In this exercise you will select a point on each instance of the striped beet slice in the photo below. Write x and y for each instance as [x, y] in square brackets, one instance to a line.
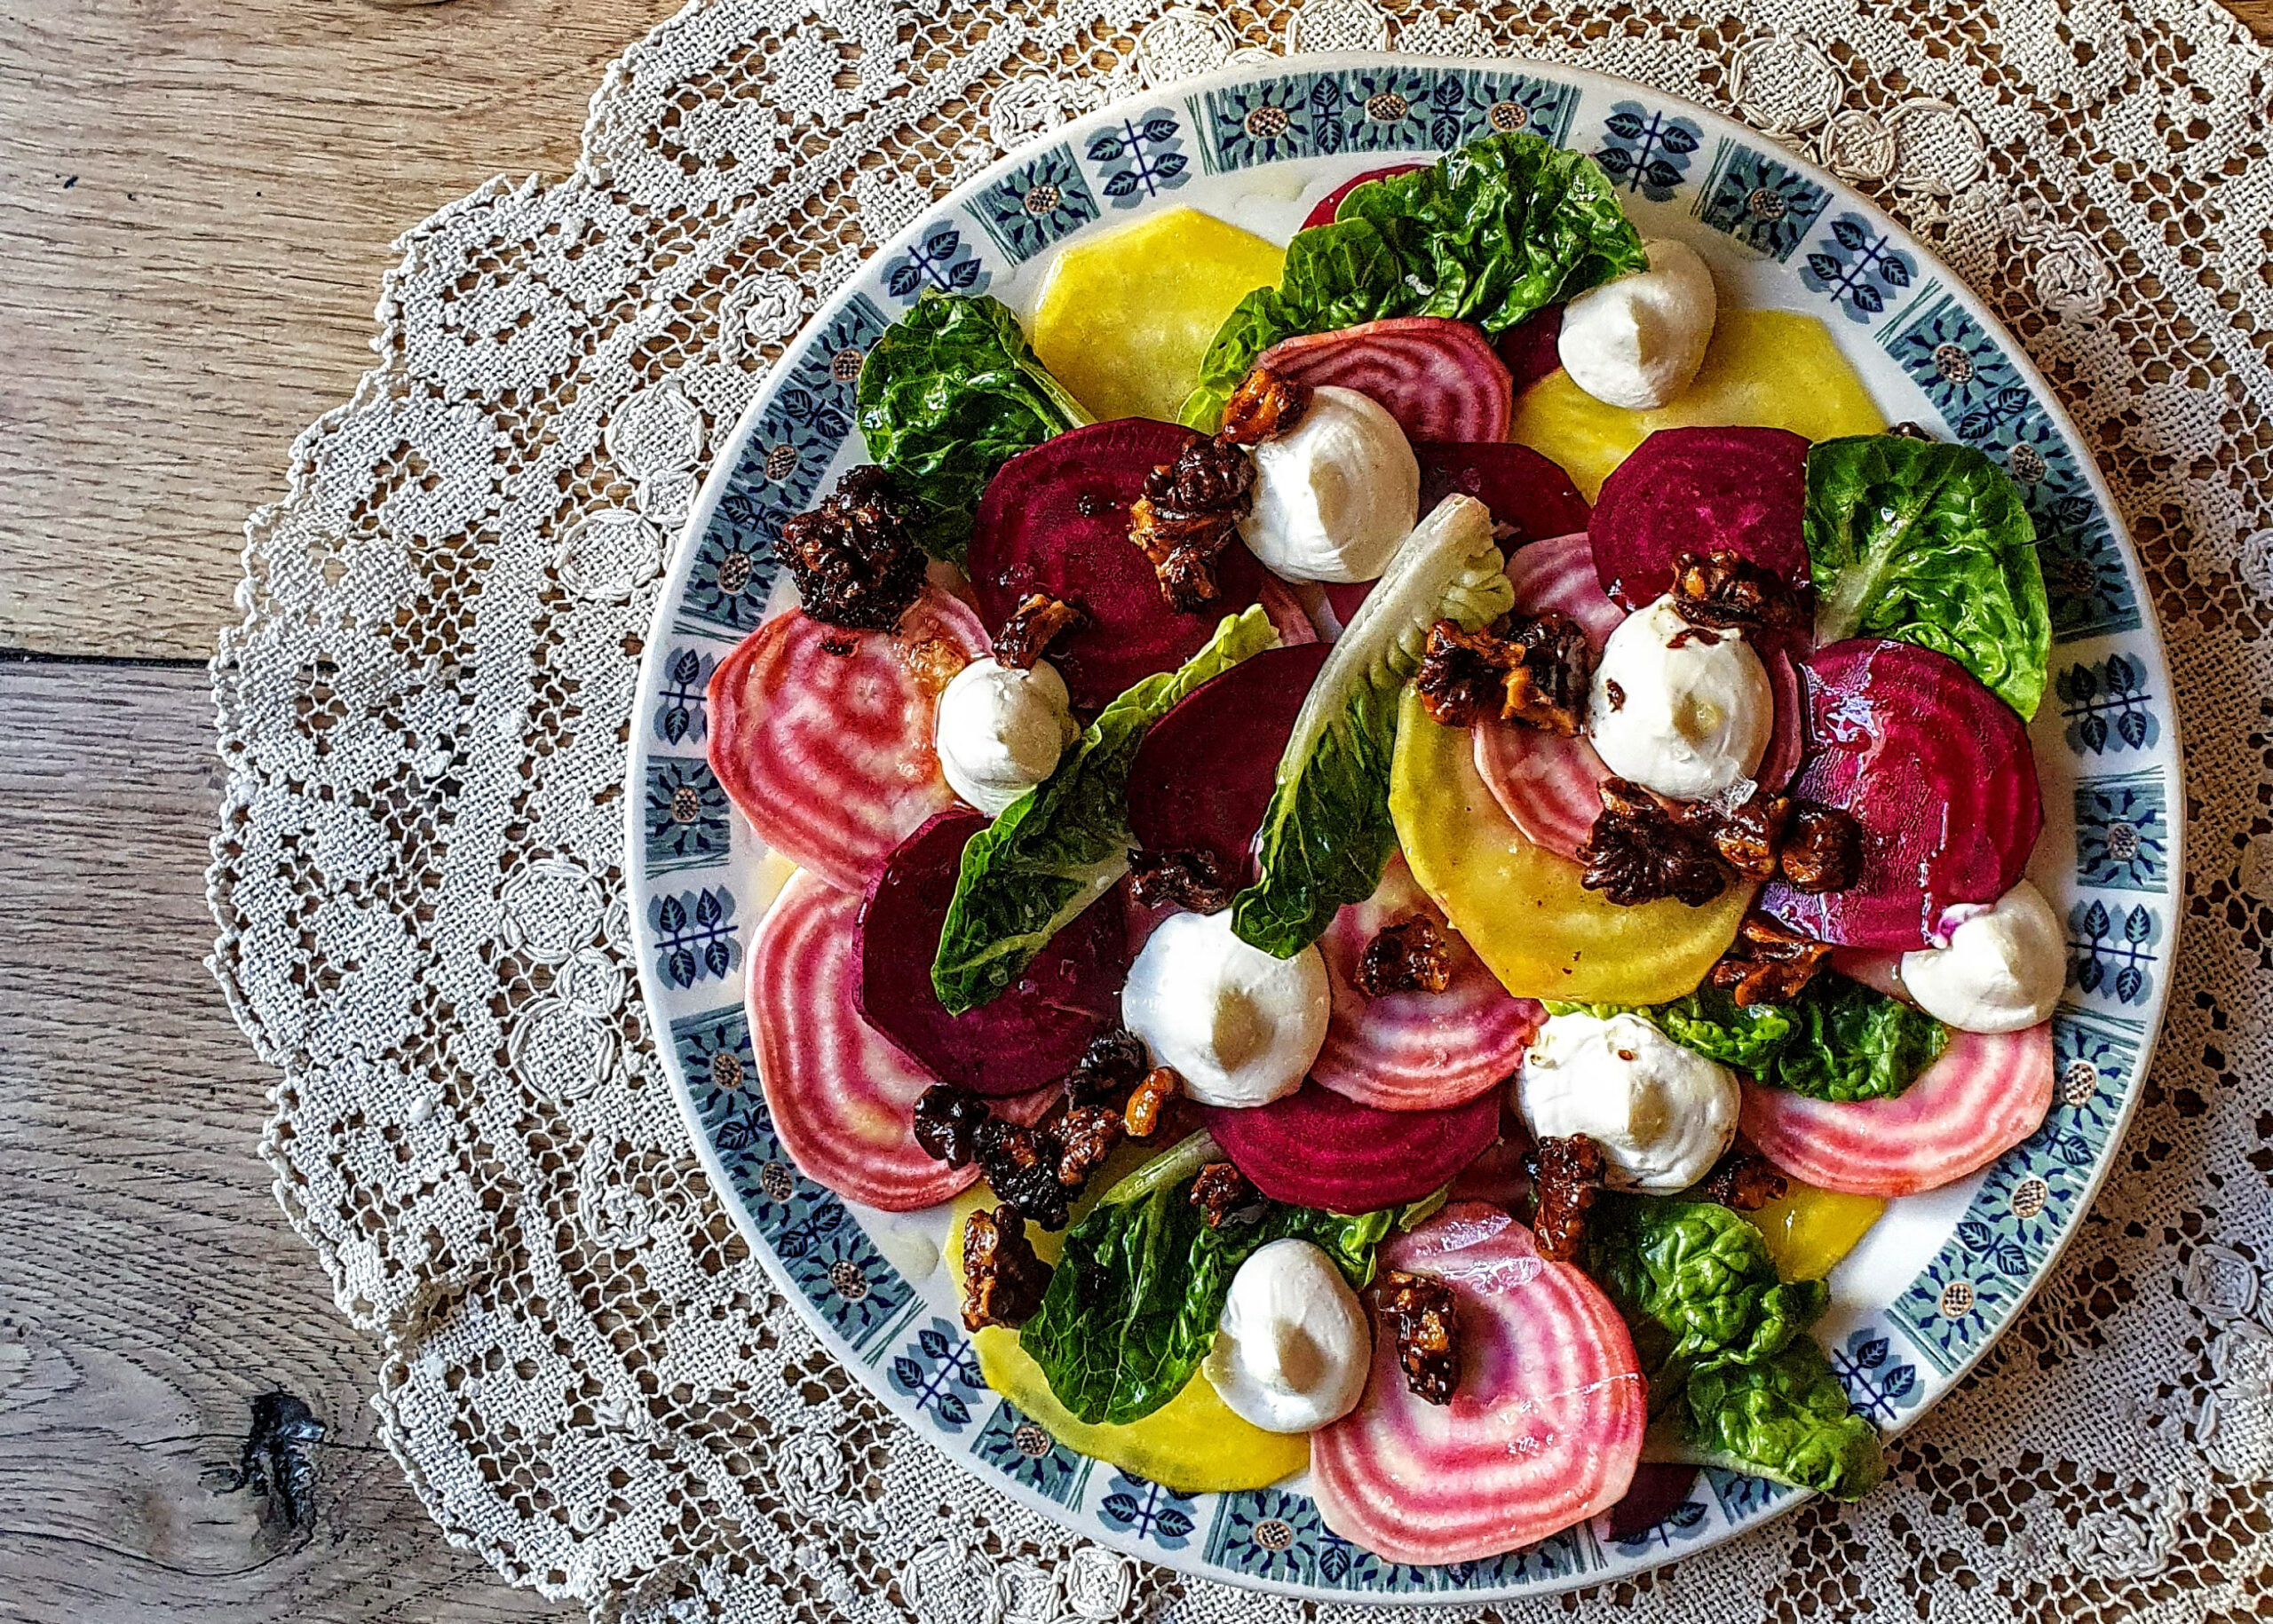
[828, 755]
[1440, 379]
[1415, 1051]
[1986, 1094]
[1316, 1148]
[1543, 1431]
[841, 1098]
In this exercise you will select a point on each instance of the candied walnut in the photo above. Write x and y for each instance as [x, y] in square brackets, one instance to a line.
[1148, 1100]
[1020, 1166]
[853, 558]
[1423, 1315]
[1637, 852]
[1822, 849]
[1767, 963]
[1112, 1064]
[1727, 591]
[1910, 431]
[1002, 1280]
[933, 664]
[1411, 957]
[1743, 1180]
[1263, 406]
[1749, 838]
[1463, 676]
[1031, 628]
[1566, 1174]
[1189, 513]
[948, 1122]
[1220, 1191]
[1535, 673]
[1189, 878]
[1086, 1135]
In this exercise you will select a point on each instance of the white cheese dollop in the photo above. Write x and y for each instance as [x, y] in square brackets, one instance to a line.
[1663, 1114]
[1680, 709]
[1239, 1027]
[1637, 340]
[999, 730]
[1336, 494]
[2002, 971]
[1292, 1350]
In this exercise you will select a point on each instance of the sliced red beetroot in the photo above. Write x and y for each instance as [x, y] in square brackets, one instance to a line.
[1415, 1051]
[1701, 490]
[1030, 1035]
[1288, 618]
[1659, 1489]
[1789, 743]
[1202, 780]
[1986, 1094]
[1322, 214]
[828, 754]
[841, 1098]
[1055, 519]
[1440, 379]
[1938, 772]
[1543, 1430]
[1316, 1148]
[1531, 347]
[1531, 498]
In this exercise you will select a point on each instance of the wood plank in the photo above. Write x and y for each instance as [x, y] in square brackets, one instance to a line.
[150, 1289]
[196, 204]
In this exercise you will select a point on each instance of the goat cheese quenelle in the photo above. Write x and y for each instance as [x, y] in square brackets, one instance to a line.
[1326, 1022]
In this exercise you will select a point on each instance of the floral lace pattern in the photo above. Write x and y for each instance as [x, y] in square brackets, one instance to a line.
[417, 878]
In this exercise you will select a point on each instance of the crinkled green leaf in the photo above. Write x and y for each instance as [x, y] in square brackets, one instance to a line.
[1786, 1418]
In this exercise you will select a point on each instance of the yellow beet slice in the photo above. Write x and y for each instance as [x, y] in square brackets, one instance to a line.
[1809, 1229]
[1522, 907]
[1124, 317]
[1766, 368]
[1194, 1444]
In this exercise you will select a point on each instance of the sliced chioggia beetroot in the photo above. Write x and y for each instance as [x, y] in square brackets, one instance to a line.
[843, 1099]
[1202, 778]
[1055, 519]
[1701, 490]
[1544, 1429]
[828, 755]
[1316, 1148]
[1030, 1035]
[1986, 1094]
[1440, 379]
[1322, 212]
[1415, 1051]
[1938, 772]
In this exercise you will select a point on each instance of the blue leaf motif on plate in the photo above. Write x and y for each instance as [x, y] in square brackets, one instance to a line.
[1856, 267]
[1648, 152]
[694, 935]
[1159, 1516]
[1142, 158]
[2107, 706]
[939, 1371]
[1877, 1384]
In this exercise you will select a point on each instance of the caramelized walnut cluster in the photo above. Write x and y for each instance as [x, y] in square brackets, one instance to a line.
[1263, 406]
[1767, 963]
[1536, 672]
[1031, 628]
[1411, 957]
[853, 558]
[1002, 1280]
[1112, 1064]
[1189, 513]
[1565, 1175]
[1727, 591]
[1220, 1191]
[1639, 851]
[1422, 1315]
[1149, 1100]
[1037, 1168]
[1185, 876]
[1743, 1180]
[1642, 848]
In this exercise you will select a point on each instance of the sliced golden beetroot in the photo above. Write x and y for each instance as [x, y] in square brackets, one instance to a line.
[1315, 1148]
[1938, 772]
[1416, 1051]
[1055, 519]
[1521, 906]
[1544, 1429]
[1440, 379]
[1025, 1039]
[1701, 490]
[1985, 1095]
[822, 737]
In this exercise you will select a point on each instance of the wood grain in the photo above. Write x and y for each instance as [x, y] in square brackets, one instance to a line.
[149, 1286]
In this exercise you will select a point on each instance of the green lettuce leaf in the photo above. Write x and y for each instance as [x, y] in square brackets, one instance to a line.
[950, 394]
[1786, 1418]
[1326, 834]
[1929, 543]
[1488, 235]
[1065, 842]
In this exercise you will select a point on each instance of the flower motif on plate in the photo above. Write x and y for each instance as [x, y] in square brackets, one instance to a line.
[1764, 204]
[1017, 1446]
[1035, 205]
[686, 816]
[2123, 833]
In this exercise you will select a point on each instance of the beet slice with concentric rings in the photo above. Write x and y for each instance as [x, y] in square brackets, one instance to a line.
[1701, 490]
[1316, 1148]
[1028, 1036]
[1055, 519]
[1440, 379]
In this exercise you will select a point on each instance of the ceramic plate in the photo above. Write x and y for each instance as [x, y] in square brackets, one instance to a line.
[1939, 1277]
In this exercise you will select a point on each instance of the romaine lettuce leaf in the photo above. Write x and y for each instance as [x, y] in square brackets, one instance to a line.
[950, 394]
[1326, 834]
[1786, 1418]
[1065, 842]
[1929, 543]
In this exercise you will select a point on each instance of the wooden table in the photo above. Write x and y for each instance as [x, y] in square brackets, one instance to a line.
[197, 203]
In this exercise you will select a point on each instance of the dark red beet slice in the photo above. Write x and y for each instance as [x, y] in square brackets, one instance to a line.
[1202, 778]
[1029, 1037]
[1440, 379]
[1789, 741]
[1530, 347]
[1938, 772]
[1701, 490]
[1315, 1148]
[1055, 519]
[1323, 213]
[1657, 1491]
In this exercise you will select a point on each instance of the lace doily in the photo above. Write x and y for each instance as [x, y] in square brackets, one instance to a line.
[425, 717]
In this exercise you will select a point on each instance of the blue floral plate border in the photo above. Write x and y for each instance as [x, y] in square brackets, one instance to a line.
[1941, 1276]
